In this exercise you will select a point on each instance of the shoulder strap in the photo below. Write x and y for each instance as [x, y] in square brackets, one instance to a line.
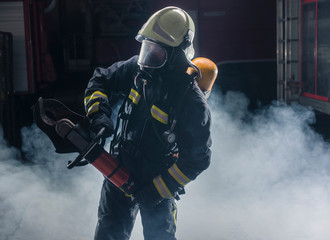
[180, 100]
[122, 118]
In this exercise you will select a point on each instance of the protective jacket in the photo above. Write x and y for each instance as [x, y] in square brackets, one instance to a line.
[151, 108]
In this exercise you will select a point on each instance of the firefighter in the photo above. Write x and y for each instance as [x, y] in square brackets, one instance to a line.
[162, 135]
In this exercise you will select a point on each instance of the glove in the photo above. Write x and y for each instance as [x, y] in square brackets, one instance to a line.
[101, 120]
[147, 197]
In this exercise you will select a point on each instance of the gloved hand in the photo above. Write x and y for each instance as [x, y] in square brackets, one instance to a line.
[147, 197]
[101, 120]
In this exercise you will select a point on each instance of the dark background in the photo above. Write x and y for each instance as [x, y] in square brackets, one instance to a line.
[75, 36]
[84, 34]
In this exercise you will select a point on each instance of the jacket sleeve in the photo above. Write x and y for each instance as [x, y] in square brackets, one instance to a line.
[194, 142]
[115, 79]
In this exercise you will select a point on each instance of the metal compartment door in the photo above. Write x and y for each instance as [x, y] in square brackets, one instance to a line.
[315, 54]
[13, 19]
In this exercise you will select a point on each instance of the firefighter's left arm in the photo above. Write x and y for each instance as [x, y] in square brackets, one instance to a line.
[194, 142]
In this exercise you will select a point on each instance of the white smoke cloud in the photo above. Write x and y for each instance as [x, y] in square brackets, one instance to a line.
[43, 199]
[269, 179]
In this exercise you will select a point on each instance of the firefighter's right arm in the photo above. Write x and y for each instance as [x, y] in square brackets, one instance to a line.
[117, 79]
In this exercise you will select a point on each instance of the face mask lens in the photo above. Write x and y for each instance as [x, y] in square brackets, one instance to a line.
[152, 55]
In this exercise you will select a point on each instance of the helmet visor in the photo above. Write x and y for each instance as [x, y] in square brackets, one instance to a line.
[152, 55]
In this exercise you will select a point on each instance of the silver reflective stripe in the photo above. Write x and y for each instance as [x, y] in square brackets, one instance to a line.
[94, 108]
[179, 176]
[161, 187]
[159, 115]
[134, 96]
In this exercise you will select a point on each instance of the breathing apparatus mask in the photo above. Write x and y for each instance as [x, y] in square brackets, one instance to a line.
[152, 55]
[152, 60]
[155, 58]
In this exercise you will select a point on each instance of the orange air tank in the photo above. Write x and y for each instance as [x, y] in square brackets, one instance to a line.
[209, 72]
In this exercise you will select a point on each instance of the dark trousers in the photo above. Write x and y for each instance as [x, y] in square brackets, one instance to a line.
[117, 213]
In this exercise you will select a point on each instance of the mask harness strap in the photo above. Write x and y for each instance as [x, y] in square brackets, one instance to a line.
[122, 115]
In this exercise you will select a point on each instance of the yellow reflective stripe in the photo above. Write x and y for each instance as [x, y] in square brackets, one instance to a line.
[86, 99]
[175, 213]
[94, 108]
[126, 194]
[178, 175]
[161, 187]
[134, 96]
[94, 95]
[159, 114]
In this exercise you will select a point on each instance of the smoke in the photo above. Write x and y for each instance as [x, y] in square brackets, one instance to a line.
[44, 200]
[269, 179]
